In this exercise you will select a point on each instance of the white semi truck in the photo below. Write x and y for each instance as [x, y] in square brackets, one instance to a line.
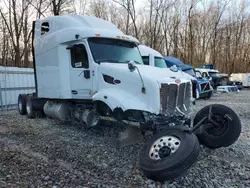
[152, 57]
[87, 70]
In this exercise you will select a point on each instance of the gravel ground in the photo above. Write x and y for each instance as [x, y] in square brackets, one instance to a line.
[47, 153]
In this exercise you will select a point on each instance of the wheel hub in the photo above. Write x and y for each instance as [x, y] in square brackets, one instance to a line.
[93, 119]
[164, 147]
[218, 130]
[165, 151]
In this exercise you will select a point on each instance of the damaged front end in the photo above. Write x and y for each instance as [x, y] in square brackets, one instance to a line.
[176, 100]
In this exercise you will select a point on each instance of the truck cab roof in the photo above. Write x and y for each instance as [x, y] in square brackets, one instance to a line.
[55, 30]
[145, 51]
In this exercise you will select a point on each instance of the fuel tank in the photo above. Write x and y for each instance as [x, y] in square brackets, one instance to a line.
[57, 110]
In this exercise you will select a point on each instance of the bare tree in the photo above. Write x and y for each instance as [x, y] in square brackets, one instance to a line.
[129, 6]
[13, 20]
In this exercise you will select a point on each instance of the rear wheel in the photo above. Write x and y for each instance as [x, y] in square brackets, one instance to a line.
[29, 107]
[222, 129]
[22, 104]
[169, 154]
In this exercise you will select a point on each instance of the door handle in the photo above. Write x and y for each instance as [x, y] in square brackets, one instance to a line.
[86, 74]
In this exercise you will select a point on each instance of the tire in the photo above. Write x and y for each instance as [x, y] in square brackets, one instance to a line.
[29, 108]
[224, 135]
[22, 104]
[174, 165]
[209, 96]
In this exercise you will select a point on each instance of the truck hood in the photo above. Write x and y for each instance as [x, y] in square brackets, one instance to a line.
[155, 73]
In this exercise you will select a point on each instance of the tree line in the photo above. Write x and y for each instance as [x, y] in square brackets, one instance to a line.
[196, 31]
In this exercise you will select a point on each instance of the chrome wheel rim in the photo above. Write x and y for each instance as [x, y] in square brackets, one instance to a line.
[164, 147]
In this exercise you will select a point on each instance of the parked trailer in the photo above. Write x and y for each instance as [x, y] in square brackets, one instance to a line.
[241, 77]
[87, 70]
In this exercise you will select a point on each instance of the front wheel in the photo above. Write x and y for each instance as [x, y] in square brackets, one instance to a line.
[221, 128]
[168, 154]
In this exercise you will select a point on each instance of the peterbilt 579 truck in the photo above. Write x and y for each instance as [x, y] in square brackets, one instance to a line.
[88, 70]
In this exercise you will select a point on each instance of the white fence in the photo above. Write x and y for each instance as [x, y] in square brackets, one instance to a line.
[14, 81]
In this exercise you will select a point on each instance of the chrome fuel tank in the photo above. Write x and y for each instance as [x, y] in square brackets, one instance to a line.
[57, 110]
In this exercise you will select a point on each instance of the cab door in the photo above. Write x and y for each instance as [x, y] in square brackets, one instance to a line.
[80, 72]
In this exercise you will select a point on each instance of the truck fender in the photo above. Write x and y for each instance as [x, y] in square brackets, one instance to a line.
[115, 98]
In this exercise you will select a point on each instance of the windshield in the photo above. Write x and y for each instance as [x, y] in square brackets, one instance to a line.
[213, 74]
[114, 51]
[198, 74]
[160, 62]
[190, 72]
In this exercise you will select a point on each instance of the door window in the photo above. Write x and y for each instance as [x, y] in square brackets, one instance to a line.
[145, 60]
[79, 56]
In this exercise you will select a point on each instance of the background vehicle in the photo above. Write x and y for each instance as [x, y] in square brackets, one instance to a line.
[235, 83]
[244, 78]
[208, 72]
[226, 81]
[204, 87]
[87, 70]
[227, 89]
[154, 58]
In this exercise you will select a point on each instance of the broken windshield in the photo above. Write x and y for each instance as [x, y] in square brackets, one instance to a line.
[114, 51]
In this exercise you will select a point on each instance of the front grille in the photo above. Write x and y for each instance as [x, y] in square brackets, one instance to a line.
[175, 98]
[205, 86]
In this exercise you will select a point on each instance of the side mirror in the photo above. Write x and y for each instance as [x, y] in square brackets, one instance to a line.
[131, 66]
[69, 47]
[174, 68]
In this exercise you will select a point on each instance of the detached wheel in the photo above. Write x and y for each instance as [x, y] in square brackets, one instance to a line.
[22, 104]
[222, 129]
[29, 108]
[168, 155]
